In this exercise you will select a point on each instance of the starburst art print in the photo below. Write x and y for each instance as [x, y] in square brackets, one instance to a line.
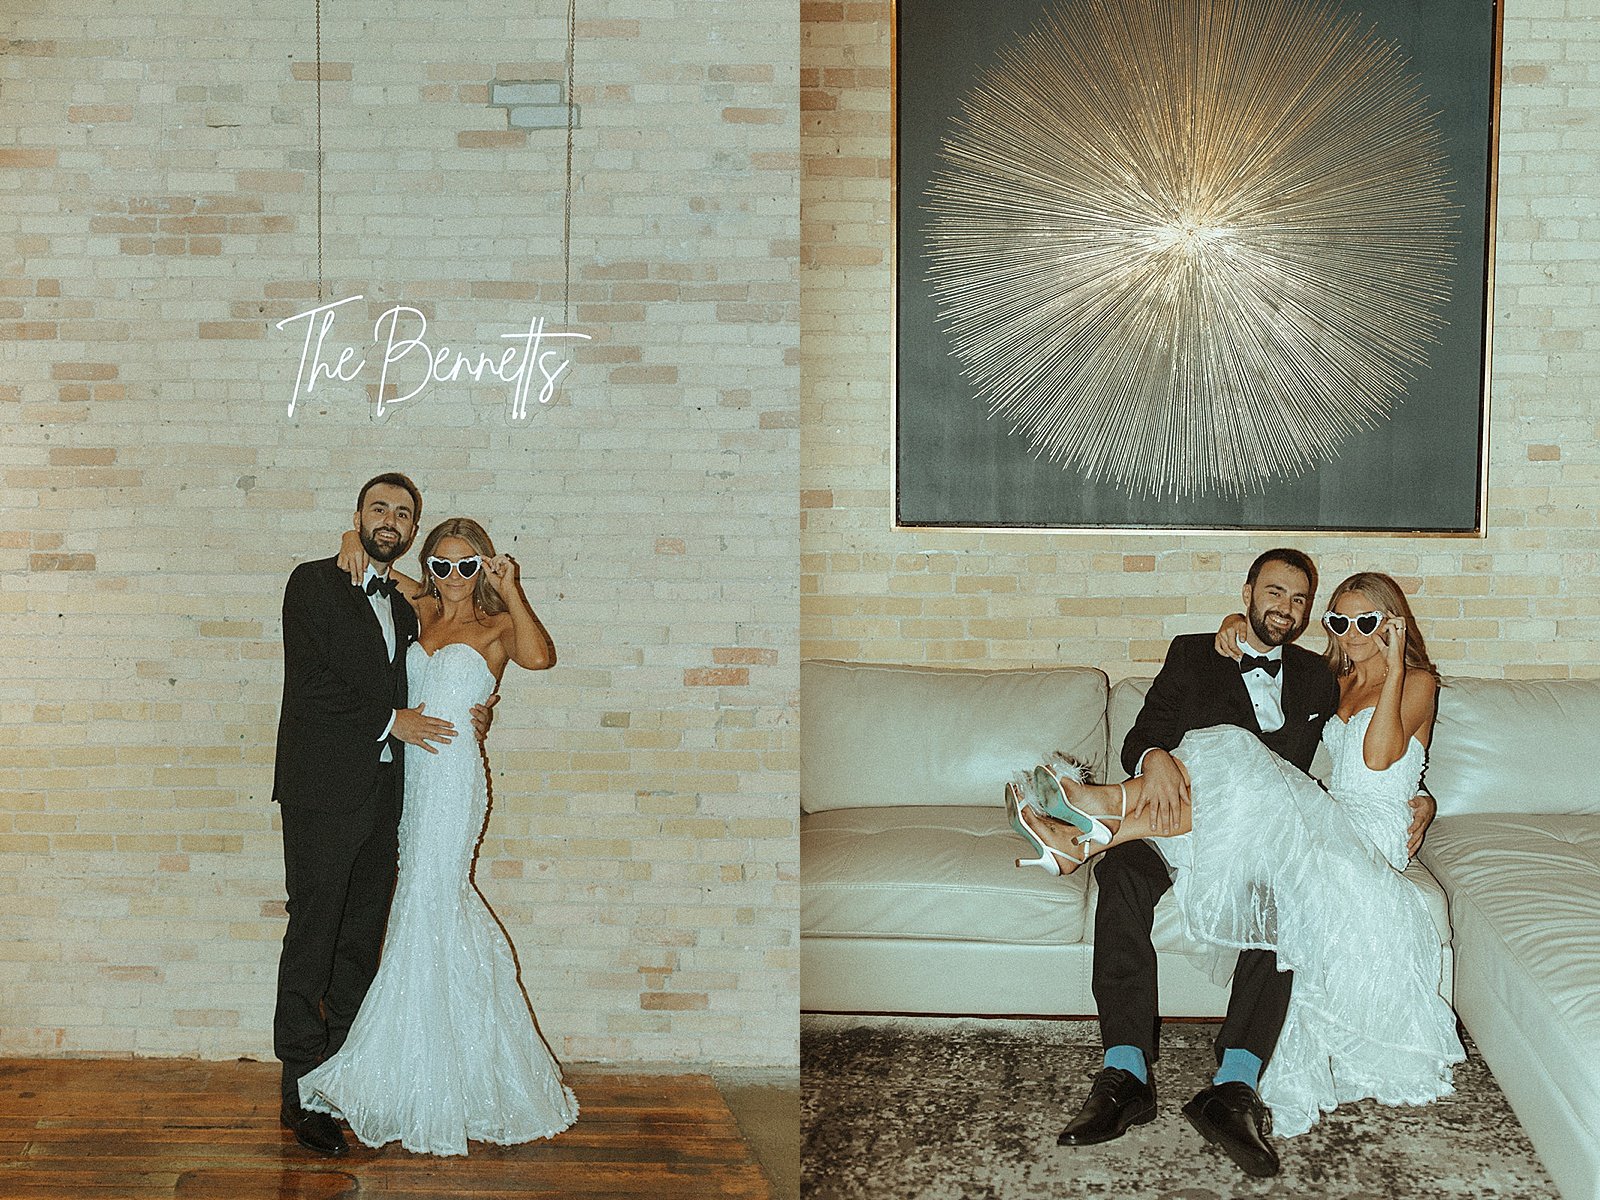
[1193, 263]
[1190, 245]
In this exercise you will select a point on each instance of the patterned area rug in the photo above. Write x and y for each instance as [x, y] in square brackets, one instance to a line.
[955, 1108]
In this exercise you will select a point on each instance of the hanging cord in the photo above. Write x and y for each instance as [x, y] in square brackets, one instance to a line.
[566, 206]
[319, 150]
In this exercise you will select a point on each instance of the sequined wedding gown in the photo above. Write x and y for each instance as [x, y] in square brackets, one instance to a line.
[1276, 862]
[444, 1048]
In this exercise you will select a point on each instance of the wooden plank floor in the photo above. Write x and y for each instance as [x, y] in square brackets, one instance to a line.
[127, 1129]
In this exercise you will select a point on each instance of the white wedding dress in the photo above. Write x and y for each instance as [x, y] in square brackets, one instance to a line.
[444, 1048]
[1275, 862]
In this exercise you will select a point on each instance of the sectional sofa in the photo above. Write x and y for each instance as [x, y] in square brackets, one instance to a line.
[910, 902]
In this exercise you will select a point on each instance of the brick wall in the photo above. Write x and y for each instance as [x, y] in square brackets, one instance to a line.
[1522, 602]
[159, 215]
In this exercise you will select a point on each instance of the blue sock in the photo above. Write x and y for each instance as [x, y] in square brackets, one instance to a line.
[1238, 1066]
[1129, 1059]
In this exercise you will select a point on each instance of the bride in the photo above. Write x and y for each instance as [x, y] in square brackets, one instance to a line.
[444, 1048]
[1264, 858]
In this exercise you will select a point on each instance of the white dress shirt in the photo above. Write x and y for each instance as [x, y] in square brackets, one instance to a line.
[380, 606]
[1266, 691]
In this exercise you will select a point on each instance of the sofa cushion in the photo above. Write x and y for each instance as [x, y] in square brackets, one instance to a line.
[938, 872]
[1506, 746]
[876, 735]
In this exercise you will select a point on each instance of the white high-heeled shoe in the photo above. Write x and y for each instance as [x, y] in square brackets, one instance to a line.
[1053, 794]
[1050, 859]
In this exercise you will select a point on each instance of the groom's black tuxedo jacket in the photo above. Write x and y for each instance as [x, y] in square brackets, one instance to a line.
[339, 689]
[1197, 688]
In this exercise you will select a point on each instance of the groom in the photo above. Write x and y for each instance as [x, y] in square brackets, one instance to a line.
[1282, 694]
[338, 784]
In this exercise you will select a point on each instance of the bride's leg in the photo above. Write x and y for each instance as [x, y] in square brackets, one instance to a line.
[1137, 828]
[1103, 801]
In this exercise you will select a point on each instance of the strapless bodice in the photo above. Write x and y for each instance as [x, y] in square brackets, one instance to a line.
[449, 682]
[1377, 802]
[1345, 739]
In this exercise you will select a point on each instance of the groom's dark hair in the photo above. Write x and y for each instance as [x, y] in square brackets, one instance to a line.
[1297, 559]
[393, 479]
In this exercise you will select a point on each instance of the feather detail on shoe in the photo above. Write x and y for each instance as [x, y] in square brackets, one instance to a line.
[1062, 765]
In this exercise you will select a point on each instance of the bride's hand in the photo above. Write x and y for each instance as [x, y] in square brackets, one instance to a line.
[502, 573]
[1227, 643]
[352, 556]
[1392, 638]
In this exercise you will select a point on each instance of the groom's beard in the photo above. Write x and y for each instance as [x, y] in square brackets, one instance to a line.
[380, 551]
[1270, 635]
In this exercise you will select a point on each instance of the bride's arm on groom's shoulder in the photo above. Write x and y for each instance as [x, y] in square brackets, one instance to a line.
[528, 643]
[353, 560]
[1228, 635]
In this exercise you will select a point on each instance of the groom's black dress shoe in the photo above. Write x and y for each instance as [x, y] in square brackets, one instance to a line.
[1232, 1116]
[1117, 1101]
[313, 1130]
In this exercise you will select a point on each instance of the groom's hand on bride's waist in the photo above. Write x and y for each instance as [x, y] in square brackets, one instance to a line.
[483, 716]
[415, 728]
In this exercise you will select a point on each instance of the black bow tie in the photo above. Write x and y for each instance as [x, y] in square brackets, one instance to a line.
[1251, 662]
[381, 583]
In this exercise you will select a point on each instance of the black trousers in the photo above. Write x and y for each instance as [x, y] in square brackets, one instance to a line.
[339, 871]
[1132, 878]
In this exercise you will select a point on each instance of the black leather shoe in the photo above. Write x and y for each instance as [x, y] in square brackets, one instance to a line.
[1232, 1116]
[1117, 1102]
[313, 1130]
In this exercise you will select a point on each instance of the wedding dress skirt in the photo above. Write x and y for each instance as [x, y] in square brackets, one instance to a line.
[1275, 862]
[444, 1048]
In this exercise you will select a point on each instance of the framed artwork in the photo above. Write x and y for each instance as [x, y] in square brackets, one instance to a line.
[1194, 264]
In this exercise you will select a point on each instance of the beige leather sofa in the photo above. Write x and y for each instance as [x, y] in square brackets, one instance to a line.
[1517, 847]
[910, 901]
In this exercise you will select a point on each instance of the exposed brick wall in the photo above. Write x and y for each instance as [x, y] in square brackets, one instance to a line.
[1525, 601]
[159, 215]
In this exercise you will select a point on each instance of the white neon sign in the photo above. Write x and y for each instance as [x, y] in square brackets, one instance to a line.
[530, 356]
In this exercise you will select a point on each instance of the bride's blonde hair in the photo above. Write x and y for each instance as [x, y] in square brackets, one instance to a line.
[470, 532]
[1384, 592]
